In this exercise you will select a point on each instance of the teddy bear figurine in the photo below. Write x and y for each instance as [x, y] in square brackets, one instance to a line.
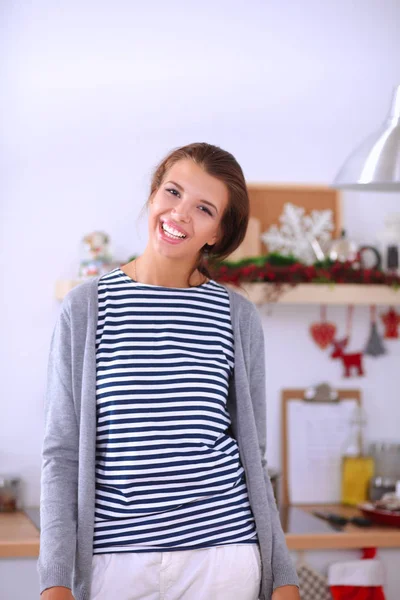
[96, 256]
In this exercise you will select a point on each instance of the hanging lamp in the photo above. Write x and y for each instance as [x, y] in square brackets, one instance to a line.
[375, 164]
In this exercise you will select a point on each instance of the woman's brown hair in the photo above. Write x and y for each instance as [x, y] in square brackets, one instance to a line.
[222, 165]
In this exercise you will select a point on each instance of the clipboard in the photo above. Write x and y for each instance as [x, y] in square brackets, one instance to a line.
[315, 429]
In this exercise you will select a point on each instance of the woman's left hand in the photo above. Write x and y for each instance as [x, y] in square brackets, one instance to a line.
[286, 592]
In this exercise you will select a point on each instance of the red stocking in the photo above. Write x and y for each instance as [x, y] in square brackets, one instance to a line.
[357, 579]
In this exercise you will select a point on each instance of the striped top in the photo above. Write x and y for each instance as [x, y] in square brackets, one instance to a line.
[168, 473]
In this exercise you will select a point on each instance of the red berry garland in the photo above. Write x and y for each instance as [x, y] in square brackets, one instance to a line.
[274, 268]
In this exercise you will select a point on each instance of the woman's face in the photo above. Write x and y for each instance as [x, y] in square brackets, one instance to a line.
[189, 201]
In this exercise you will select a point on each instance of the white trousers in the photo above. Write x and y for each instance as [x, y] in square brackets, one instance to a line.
[225, 572]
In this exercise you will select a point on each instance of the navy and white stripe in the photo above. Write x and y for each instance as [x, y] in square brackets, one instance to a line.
[168, 474]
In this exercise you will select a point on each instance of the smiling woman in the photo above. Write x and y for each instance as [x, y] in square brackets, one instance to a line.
[155, 481]
[198, 207]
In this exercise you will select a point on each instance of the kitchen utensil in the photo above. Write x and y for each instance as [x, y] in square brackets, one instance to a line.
[378, 486]
[386, 456]
[340, 521]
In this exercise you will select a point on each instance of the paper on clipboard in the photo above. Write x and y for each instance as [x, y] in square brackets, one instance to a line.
[317, 434]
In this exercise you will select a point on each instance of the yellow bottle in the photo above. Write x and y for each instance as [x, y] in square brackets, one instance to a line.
[357, 468]
[356, 474]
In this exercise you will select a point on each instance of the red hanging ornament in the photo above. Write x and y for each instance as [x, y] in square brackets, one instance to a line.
[323, 332]
[391, 320]
[351, 361]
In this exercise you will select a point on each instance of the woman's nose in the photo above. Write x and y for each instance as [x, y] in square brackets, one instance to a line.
[181, 213]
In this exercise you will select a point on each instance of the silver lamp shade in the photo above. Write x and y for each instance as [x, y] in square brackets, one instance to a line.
[375, 164]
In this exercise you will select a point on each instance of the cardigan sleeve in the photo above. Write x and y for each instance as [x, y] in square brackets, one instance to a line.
[59, 472]
[283, 568]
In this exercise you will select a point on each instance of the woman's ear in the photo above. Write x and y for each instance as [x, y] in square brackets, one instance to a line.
[216, 237]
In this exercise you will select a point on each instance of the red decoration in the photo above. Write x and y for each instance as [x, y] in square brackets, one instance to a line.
[357, 579]
[391, 320]
[324, 332]
[350, 361]
[262, 270]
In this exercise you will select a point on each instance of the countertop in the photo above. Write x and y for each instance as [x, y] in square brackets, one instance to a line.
[303, 533]
[19, 531]
[19, 536]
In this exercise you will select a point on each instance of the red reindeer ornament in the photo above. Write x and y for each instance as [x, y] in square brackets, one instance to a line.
[351, 361]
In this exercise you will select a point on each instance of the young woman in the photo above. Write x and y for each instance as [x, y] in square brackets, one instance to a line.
[154, 477]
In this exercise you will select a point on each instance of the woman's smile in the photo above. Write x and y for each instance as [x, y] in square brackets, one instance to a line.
[166, 234]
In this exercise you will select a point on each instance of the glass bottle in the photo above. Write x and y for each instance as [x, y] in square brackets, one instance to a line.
[357, 468]
[342, 249]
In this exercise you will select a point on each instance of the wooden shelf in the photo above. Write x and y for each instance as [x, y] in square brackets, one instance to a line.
[305, 293]
[318, 293]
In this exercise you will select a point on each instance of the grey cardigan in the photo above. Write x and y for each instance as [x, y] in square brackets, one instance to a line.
[68, 451]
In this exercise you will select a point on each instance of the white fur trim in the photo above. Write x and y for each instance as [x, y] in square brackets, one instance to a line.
[363, 573]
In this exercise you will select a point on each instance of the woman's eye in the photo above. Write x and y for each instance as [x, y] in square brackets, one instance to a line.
[172, 191]
[207, 210]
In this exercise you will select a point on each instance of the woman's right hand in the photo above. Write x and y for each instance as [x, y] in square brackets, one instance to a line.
[57, 593]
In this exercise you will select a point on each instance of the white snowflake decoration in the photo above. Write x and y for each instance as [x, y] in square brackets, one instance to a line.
[298, 231]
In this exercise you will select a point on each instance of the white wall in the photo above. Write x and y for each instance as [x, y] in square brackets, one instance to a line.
[94, 94]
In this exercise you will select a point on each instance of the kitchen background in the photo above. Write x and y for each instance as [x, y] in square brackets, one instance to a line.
[94, 94]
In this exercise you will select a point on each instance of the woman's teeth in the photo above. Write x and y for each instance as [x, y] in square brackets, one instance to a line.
[173, 233]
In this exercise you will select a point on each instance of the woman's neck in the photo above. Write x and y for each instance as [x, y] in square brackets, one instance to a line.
[151, 272]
